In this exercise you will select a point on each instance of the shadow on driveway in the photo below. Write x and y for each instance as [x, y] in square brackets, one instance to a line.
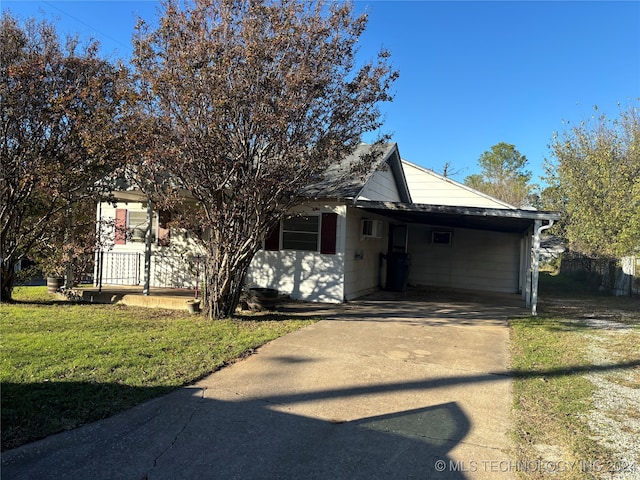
[186, 435]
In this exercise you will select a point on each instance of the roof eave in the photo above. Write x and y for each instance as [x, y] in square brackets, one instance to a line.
[460, 210]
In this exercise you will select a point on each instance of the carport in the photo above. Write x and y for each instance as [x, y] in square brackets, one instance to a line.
[512, 235]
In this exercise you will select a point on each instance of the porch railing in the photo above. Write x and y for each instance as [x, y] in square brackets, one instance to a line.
[168, 270]
[119, 268]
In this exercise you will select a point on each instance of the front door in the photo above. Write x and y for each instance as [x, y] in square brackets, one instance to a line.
[398, 260]
[397, 239]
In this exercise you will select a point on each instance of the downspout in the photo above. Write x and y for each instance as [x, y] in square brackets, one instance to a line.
[535, 266]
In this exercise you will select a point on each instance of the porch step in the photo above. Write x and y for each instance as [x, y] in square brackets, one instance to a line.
[170, 302]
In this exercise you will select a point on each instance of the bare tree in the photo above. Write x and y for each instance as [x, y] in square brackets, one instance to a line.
[56, 135]
[449, 171]
[260, 96]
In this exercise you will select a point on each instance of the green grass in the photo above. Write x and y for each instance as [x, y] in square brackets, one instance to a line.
[550, 393]
[550, 356]
[63, 365]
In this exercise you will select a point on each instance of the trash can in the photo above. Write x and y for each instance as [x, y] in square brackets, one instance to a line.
[53, 284]
[398, 265]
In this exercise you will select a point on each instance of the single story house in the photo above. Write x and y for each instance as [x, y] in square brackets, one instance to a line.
[354, 234]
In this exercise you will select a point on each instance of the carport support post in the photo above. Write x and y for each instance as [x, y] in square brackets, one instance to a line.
[535, 266]
[147, 249]
[526, 292]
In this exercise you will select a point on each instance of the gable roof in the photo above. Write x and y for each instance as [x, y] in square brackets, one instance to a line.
[438, 200]
[342, 180]
[428, 187]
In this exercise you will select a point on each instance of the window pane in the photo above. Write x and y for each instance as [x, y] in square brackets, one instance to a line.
[301, 224]
[300, 233]
[137, 219]
[441, 238]
[300, 241]
[138, 226]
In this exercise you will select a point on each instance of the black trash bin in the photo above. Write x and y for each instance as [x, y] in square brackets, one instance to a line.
[398, 265]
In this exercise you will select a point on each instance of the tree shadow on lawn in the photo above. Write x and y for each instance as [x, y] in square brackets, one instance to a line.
[40, 302]
[50, 300]
[31, 411]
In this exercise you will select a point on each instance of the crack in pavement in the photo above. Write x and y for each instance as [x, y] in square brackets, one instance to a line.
[179, 433]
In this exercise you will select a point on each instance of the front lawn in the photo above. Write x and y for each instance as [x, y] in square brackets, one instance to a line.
[63, 365]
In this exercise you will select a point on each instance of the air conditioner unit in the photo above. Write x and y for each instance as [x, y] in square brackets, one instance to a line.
[371, 229]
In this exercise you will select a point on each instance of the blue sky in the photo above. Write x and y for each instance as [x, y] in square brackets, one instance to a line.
[472, 74]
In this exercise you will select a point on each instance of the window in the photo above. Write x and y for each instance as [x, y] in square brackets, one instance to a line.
[137, 226]
[441, 238]
[131, 226]
[371, 229]
[305, 232]
[164, 231]
[301, 233]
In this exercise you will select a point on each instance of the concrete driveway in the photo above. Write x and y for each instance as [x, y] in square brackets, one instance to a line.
[385, 387]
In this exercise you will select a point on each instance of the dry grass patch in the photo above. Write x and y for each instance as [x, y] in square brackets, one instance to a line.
[577, 387]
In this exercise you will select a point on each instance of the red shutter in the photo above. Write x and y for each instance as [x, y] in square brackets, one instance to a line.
[120, 233]
[272, 242]
[164, 233]
[328, 233]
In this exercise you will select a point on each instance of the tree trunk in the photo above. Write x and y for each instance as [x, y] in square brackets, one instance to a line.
[225, 270]
[8, 278]
[222, 302]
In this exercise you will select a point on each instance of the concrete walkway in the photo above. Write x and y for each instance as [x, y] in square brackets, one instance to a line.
[383, 388]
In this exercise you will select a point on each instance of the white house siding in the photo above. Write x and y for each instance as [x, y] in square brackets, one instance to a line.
[381, 187]
[172, 266]
[308, 276]
[304, 275]
[476, 259]
[430, 188]
[362, 255]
